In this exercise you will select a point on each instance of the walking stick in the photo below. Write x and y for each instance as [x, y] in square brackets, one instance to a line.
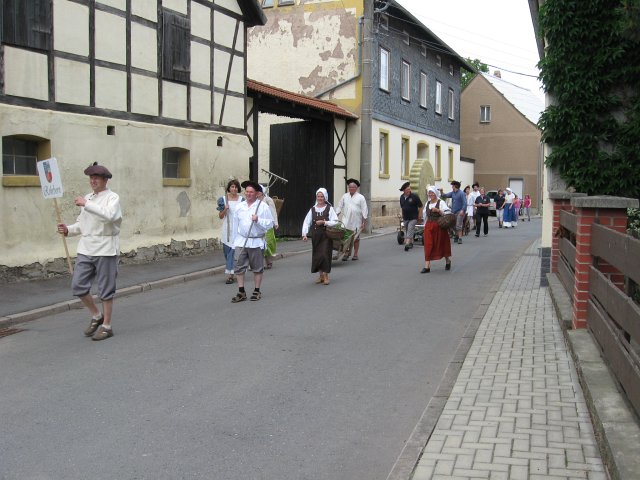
[64, 239]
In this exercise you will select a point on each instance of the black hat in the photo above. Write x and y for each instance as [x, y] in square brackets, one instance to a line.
[404, 186]
[99, 170]
[249, 183]
[456, 183]
[353, 180]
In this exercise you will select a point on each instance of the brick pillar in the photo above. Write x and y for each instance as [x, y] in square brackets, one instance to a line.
[560, 200]
[610, 212]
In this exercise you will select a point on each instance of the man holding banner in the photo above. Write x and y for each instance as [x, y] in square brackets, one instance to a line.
[99, 227]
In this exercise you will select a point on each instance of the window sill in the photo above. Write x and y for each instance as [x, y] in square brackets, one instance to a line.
[21, 181]
[176, 182]
[384, 175]
[438, 179]
[405, 177]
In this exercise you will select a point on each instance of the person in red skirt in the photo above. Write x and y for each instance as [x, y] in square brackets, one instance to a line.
[436, 240]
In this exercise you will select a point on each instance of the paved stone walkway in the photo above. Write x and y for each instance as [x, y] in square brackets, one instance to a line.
[517, 410]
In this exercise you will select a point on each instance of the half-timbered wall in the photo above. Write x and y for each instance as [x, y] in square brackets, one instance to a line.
[127, 83]
[167, 61]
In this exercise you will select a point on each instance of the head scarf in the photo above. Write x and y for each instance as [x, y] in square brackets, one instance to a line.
[323, 191]
[509, 190]
[435, 191]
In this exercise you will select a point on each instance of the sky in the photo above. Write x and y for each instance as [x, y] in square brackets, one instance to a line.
[497, 32]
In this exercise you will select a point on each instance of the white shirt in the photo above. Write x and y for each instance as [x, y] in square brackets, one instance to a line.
[99, 225]
[230, 223]
[249, 231]
[353, 209]
[333, 218]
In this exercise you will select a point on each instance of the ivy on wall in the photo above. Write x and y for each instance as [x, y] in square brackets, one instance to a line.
[591, 70]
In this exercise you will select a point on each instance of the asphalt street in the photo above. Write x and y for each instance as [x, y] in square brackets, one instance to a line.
[311, 382]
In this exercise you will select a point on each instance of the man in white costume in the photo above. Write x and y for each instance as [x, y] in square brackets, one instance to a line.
[353, 209]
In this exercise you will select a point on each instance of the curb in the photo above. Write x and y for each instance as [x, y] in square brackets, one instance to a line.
[615, 423]
[37, 313]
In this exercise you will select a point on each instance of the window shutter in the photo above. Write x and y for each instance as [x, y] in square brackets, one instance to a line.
[176, 47]
[27, 23]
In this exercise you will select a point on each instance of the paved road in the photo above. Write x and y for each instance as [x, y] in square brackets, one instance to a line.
[312, 382]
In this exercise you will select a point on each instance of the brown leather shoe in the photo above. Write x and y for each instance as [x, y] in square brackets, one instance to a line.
[102, 334]
[93, 326]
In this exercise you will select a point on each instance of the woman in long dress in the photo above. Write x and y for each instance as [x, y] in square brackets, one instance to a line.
[226, 212]
[437, 243]
[319, 217]
[508, 208]
[470, 213]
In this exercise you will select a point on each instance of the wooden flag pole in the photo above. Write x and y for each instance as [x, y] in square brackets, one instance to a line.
[64, 238]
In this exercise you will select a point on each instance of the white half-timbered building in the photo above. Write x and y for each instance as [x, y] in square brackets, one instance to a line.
[153, 89]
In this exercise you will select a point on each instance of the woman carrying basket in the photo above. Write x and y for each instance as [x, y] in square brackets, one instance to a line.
[437, 243]
[319, 217]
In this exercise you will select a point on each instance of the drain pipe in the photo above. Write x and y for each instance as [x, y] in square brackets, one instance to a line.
[366, 110]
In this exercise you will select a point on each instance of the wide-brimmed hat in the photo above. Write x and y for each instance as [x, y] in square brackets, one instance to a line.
[249, 183]
[404, 186]
[99, 170]
[353, 180]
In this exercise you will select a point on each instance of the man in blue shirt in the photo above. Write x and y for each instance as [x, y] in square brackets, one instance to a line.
[458, 207]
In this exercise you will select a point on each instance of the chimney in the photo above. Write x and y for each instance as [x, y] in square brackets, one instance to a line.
[496, 73]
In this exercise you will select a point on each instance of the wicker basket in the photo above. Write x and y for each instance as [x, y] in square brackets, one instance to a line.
[335, 233]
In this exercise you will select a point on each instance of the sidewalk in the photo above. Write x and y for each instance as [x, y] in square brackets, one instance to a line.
[30, 300]
[516, 410]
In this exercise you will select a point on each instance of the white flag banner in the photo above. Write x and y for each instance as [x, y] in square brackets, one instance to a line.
[50, 180]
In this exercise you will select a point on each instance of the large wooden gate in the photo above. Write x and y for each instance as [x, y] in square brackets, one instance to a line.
[301, 152]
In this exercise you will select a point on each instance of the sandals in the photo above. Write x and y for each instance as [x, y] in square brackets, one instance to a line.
[268, 266]
[229, 280]
[255, 296]
[354, 258]
[240, 297]
[102, 334]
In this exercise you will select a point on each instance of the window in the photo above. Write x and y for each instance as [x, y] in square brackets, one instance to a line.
[404, 158]
[285, 2]
[423, 89]
[384, 22]
[384, 69]
[176, 46]
[406, 80]
[405, 38]
[485, 113]
[19, 156]
[267, 3]
[438, 98]
[438, 165]
[451, 70]
[175, 167]
[383, 154]
[451, 176]
[26, 23]
[423, 50]
[438, 61]
[451, 104]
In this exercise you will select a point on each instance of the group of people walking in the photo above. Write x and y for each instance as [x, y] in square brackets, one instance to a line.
[248, 229]
[469, 205]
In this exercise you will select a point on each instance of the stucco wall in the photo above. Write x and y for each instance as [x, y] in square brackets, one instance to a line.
[153, 214]
[506, 148]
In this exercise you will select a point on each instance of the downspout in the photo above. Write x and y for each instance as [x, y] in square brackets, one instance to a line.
[366, 110]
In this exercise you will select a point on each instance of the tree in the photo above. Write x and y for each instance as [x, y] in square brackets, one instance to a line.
[466, 76]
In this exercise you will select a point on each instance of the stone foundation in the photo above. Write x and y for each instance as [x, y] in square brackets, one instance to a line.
[58, 267]
[384, 213]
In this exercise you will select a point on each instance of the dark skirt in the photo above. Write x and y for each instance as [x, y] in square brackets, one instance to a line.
[437, 243]
[321, 251]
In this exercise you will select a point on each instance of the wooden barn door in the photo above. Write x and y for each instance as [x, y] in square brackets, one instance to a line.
[301, 152]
